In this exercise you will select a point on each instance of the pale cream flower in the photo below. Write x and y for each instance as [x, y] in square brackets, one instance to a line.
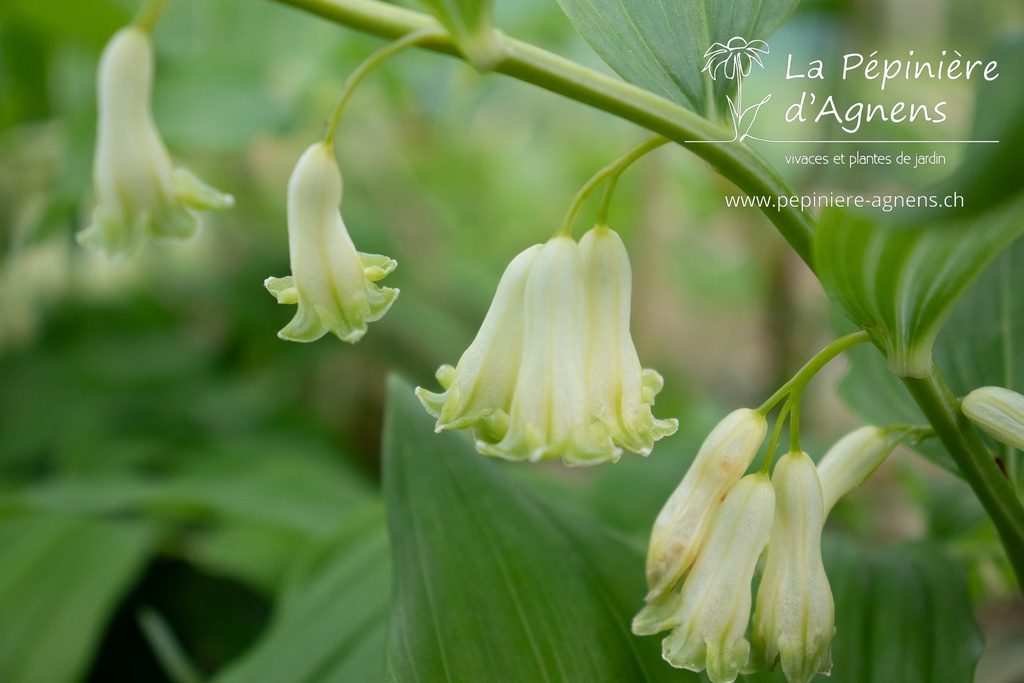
[553, 371]
[709, 616]
[138, 190]
[687, 517]
[550, 415]
[795, 616]
[850, 461]
[332, 283]
[621, 391]
[478, 391]
[999, 412]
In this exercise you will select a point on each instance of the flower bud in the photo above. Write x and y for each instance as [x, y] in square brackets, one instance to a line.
[850, 461]
[998, 412]
[709, 616]
[685, 520]
[138, 189]
[795, 616]
[332, 283]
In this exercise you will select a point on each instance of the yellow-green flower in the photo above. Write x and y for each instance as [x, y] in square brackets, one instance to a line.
[138, 190]
[686, 519]
[553, 372]
[709, 616]
[621, 391]
[999, 412]
[795, 617]
[332, 283]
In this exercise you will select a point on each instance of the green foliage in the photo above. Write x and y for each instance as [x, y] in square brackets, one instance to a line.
[977, 347]
[330, 621]
[494, 583]
[660, 44]
[61, 578]
[900, 283]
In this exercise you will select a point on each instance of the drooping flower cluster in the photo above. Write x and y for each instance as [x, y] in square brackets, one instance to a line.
[332, 283]
[707, 540]
[553, 371]
[138, 189]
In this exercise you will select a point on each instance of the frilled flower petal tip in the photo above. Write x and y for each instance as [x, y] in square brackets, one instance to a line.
[332, 283]
[138, 190]
[553, 372]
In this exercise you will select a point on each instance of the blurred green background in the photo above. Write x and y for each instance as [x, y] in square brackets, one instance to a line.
[165, 460]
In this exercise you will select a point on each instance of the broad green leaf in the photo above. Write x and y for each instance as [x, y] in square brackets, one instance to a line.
[902, 614]
[660, 45]
[980, 345]
[492, 583]
[60, 580]
[331, 619]
[901, 283]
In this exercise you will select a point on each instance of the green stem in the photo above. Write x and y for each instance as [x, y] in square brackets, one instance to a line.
[976, 465]
[773, 443]
[149, 13]
[812, 367]
[531, 64]
[611, 173]
[369, 64]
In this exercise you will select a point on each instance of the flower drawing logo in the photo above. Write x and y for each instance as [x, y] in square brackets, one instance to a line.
[734, 60]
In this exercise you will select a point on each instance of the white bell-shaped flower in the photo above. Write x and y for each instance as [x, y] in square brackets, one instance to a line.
[709, 616]
[621, 391]
[478, 391]
[795, 617]
[332, 283]
[138, 190]
[686, 519]
[850, 461]
[999, 412]
[550, 415]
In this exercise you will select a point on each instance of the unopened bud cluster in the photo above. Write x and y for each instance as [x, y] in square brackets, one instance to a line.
[710, 535]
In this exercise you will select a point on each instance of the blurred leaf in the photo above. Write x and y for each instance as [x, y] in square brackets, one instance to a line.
[493, 583]
[902, 614]
[900, 284]
[660, 44]
[331, 619]
[93, 22]
[60, 580]
[988, 175]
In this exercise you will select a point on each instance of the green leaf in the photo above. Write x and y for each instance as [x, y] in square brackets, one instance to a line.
[902, 614]
[901, 283]
[988, 174]
[660, 44]
[493, 583]
[331, 620]
[60, 581]
[980, 345]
